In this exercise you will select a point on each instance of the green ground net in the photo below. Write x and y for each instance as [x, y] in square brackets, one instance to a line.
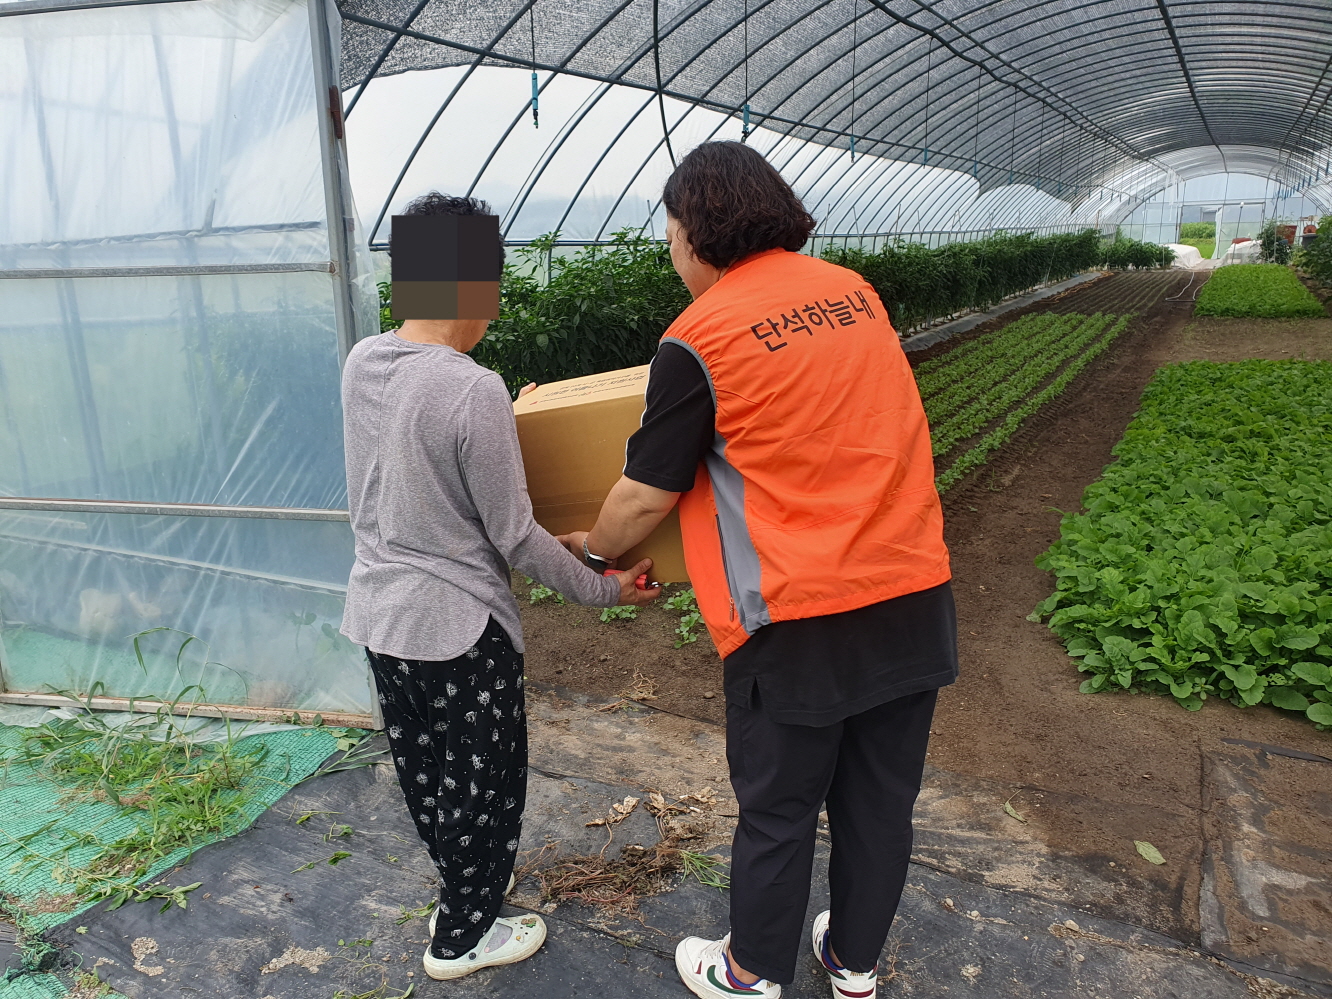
[33, 987]
[53, 830]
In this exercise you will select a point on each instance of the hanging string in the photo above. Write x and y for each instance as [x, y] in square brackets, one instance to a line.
[531, 20]
[1012, 138]
[929, 65]
[744, 123]
[1078, 172]
[975, 130]
[1040, 151]
[855, 41]
[1059, 170]
[656, 62]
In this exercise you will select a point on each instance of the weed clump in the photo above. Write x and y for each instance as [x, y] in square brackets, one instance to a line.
[178, 794]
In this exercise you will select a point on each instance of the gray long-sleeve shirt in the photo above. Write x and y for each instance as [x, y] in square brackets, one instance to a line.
[439, 504]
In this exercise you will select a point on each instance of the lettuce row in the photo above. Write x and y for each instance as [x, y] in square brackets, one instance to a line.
[955, 365]
[1203, 563]
[1039, 362]
[997, 369]
[1000, 435]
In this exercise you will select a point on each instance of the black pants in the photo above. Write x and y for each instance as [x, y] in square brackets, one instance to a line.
[867, 769]
[459, 738]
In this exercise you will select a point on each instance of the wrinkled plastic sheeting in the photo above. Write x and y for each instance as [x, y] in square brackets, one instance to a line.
[231, 611]
[195, 124]
[1248, 252]
[1238, 222]
[217, 389]
[171, 135]
[1186, 257]
[1264, 897]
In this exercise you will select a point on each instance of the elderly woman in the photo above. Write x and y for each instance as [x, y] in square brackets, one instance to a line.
[784, 419]
[440, 511]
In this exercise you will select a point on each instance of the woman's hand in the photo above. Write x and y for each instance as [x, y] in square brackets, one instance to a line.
[526, 388]
[574, 542]
[630, 592]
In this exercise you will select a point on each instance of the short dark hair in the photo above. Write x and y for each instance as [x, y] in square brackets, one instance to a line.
[733, 203]
[435, 203]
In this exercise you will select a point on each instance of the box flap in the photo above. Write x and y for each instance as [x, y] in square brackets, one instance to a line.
[588, 388]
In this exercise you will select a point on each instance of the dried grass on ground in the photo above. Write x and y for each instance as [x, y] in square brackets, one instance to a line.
[639, 872]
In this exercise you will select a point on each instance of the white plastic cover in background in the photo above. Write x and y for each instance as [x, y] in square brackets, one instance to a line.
[1186, 257]
[1248, 252]
[217, 389]
[176, 135]
[1243, 221]
[191, 123]
[253, 607]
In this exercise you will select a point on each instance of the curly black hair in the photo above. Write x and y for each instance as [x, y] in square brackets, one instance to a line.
[434, 203]
[732, 203]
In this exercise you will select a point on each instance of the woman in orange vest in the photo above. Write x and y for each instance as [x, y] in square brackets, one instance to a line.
[783, 418]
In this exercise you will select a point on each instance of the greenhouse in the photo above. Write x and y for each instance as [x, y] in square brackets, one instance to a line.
[1101, 231]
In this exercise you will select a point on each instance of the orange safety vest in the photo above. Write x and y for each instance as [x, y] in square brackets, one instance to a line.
[818, 494]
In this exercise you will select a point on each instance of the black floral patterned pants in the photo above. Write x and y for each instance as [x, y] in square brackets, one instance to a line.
[459, 738]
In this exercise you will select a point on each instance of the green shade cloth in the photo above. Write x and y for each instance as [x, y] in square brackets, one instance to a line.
[34, 987]
[29, 800]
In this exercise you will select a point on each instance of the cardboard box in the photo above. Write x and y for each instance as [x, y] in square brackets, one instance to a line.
[573, 435]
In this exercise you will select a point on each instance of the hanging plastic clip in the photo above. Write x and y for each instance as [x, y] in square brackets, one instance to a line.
[535, 92]
[853, 149]
[744, 126]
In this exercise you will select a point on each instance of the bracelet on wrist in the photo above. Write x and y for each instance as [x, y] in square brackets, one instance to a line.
[596, 563]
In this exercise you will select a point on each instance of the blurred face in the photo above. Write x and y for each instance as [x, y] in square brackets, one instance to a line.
[697, 276]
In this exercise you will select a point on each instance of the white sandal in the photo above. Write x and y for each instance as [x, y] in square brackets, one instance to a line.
[526, 935]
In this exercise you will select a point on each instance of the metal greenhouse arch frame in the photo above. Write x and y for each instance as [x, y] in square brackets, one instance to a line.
[1052, 68]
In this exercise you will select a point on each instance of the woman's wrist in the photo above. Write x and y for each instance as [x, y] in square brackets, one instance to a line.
[597, 563]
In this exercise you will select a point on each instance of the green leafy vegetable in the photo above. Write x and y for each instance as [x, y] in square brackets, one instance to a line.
[540, 592]
[1201, 566]
[1268, 291]
[979, 395]
[686, 604]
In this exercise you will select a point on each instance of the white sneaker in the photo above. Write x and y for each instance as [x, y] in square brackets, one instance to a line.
[702, 966]
[435, 912]
[845, 984]
[526, 935]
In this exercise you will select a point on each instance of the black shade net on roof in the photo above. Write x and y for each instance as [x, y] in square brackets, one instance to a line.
[1096, 105]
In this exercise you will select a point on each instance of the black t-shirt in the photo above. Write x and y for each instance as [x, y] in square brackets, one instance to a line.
[817, 670]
